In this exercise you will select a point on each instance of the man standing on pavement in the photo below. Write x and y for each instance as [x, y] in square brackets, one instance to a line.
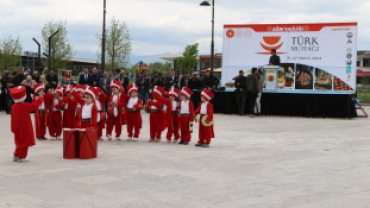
[123, 79]
[143, 84]
[86, 79]
[96, 77]
[257, 107]
[184, 80]
[241, 87]
[252, 90]
[52, 80]
[18, 79]
[172, 80]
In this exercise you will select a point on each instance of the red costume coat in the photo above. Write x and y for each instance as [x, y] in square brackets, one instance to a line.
[191, 114]
[41, 122]
[50, 98]
[21, 124]
[120, 106]
[124, 100]
[158, 118]
[69, 114]
[205, 132]
[94, 113]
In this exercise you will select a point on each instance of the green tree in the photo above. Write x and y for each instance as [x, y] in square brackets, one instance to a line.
[188, 61]
[10, 51]
[61, 50]
[118, 45]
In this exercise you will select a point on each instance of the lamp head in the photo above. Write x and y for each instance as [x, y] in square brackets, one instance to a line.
[205, 3]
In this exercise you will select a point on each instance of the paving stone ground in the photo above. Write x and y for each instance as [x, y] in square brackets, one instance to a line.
[262, 162]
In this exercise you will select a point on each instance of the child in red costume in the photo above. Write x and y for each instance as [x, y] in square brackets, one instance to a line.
[132, 111]
[157, 115]
[115, 114]
[172, 107]
[40, 113]
[89, 112]
[205, 127]
[55, 116]
[21, 124]
[100, 98]
[80, 89]
[70, 105]
[186, 116]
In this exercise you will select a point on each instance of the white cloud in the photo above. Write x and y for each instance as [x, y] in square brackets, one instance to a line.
[160, 26]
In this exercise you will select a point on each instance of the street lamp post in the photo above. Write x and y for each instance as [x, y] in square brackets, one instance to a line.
[103, 40]
[39, 53]
[206, 3]
[50, 47]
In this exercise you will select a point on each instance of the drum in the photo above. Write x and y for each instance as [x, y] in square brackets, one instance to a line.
[110, 111]
[103, 117]
[70, 137]
[88, 144]
[78, 117]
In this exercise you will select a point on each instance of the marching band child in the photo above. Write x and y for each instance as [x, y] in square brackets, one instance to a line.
[172, 108]
[157, 115]
[186, 116]
[40, 113]
[70, 105]
[89, 112]
[55, 116]
[80, 89]
[132, 111]
[115, 115]
[206, 119]
[100, 98]
[21, 124]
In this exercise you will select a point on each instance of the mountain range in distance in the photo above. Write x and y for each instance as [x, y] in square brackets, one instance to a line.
[133, 59]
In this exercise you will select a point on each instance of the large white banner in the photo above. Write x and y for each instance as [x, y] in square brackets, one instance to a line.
[313, 56]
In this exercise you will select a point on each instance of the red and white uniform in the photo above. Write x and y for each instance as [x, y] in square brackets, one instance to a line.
[206, 133]
[157, 118]
[70, 105]
[78, 112]
[55, 114]
[100, 98]
[21, 124]
[186, 115]
[132, 111]
[89, 112]
[40, 115]
[115, 115]
[116, 120]
[172, 114]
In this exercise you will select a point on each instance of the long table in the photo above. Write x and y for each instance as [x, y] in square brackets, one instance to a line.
[291, 103]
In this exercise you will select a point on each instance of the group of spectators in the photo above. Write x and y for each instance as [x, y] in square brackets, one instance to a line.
[250, 87]
[145, 82]
[19, 78]
[100, 79]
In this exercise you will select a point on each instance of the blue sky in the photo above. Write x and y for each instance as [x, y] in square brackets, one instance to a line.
[166, 26]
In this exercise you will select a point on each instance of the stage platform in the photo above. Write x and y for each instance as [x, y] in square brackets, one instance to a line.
[297, 103]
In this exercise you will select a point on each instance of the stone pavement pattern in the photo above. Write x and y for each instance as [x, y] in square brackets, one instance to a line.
[261, 162]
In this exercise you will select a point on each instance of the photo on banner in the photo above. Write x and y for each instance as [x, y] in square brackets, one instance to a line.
[313, 57]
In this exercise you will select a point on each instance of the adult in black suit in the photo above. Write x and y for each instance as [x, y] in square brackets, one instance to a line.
[123, 79]
[184, 80]
[86, 79]
[172, 80]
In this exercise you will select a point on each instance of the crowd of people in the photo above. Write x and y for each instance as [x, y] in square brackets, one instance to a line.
[82, 107]
[250, 87]
[112, 100]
